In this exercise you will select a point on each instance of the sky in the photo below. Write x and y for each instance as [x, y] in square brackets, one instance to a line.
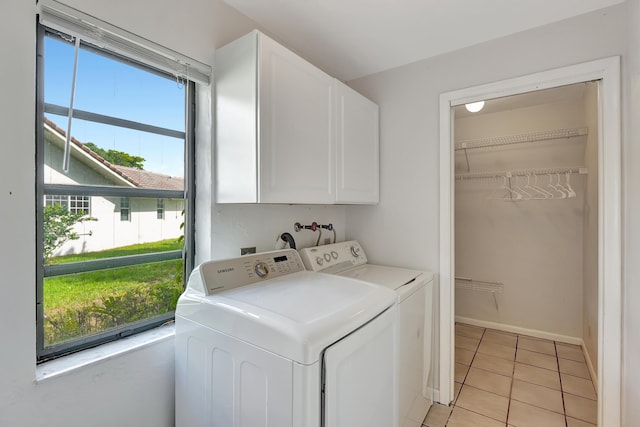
[112, 88]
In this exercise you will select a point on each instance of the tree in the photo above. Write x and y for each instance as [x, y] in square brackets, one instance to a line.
[58, 224]
[118, 157]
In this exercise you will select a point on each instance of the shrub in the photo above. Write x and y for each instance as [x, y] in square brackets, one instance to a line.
[113, 311]
[58, 225]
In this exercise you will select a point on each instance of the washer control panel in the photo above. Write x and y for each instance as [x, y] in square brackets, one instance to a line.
[333, 258]
[221, 275]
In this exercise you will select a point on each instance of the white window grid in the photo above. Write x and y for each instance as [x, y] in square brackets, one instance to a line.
[160, 209]
[74, 204]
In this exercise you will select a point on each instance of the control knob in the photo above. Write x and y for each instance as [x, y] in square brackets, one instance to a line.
[261, 269]
[319, 260]
[355, 251]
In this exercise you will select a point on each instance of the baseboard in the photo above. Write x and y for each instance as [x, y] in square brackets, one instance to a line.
[524, 331]
[436, 397]
[592, 370]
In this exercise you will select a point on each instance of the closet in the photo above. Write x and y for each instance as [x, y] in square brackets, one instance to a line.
[526, 215]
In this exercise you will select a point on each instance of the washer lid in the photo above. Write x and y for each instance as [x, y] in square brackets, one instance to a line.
[390, 277]
[295, 316]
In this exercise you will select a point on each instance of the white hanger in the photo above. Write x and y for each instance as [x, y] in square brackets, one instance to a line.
[563, 195]
[542, 194]
[526, 195]
[570, 191]
[562, 187]
[511, 194]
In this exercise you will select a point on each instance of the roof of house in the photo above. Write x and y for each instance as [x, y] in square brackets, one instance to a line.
[136, 177]
[146, 179]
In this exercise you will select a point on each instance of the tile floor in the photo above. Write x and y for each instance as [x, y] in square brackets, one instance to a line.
[509, 380]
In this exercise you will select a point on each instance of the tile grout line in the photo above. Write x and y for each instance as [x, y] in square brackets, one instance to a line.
[564, 408]
[513, 374]
[484, 330]
[464, 380]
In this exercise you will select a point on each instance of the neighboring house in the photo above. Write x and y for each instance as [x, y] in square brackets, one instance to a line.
[120, 221]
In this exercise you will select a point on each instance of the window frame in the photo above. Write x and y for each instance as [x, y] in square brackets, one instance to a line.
[77, 204]
[187, 194]
[68, 202]
[160, 208]
[125, 209]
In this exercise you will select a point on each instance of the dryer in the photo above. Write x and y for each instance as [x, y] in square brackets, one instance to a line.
[414, 291]
[260, 341]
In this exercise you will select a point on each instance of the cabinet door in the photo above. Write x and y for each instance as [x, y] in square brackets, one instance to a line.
[296, 129]
[357, 147]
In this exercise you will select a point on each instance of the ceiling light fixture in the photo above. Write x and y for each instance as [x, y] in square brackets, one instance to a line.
[474, 107]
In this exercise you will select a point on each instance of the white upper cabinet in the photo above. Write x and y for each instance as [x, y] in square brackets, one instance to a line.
[296, 128]
[276, 135]
[357, 153]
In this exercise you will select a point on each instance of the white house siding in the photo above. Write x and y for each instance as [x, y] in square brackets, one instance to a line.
[108, 230]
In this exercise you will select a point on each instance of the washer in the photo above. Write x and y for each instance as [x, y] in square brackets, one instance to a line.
[414, 291]
[260, 341]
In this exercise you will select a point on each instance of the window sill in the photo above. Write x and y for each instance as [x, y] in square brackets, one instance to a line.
[68, 364]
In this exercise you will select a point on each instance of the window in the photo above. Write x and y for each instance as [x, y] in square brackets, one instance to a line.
[160, 209]
[124, 209]
[79, 204]
[52, 200]
[130, 146]
[74, 204]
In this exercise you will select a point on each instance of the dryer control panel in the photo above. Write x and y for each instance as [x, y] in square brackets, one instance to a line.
[333, 258]
[221, 275]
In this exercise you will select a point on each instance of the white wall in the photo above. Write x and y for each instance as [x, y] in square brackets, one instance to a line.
[631, 222]
[590, 232]
[134, 389]
[533, 247]
[403, 229]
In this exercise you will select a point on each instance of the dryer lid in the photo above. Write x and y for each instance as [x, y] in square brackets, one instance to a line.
[295, 316]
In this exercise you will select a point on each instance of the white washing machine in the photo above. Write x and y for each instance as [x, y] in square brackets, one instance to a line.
[415, 325]
[262, 342]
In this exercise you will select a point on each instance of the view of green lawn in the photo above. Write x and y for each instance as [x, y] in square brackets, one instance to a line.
[85, 303]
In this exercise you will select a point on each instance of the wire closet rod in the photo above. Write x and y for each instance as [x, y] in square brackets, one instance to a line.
[523, 172]
[523, 138]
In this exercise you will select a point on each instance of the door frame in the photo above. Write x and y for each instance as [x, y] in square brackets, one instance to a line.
[607, 72]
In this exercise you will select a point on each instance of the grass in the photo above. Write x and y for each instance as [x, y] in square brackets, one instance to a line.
[83, 304]
[82, 289]
[142, 248]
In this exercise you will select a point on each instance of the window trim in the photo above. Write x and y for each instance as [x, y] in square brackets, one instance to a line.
[61, 17]
[125, 208]
[160, 208]
[188, 195]
[67, 201]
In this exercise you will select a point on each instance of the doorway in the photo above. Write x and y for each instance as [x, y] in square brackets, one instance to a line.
[526, 257]
[606, 73]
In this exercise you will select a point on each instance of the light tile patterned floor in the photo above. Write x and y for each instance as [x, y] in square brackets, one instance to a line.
[509, 380]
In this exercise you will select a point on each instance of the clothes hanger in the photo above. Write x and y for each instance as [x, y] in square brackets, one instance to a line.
[511, 193]
[562, 194]
[568, 188]
[562, 187]
[542, 194]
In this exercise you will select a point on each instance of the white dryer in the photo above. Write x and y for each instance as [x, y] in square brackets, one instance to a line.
[260, 341]
[415, 326]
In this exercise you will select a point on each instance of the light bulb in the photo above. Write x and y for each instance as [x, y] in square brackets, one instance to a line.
[474, 107]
